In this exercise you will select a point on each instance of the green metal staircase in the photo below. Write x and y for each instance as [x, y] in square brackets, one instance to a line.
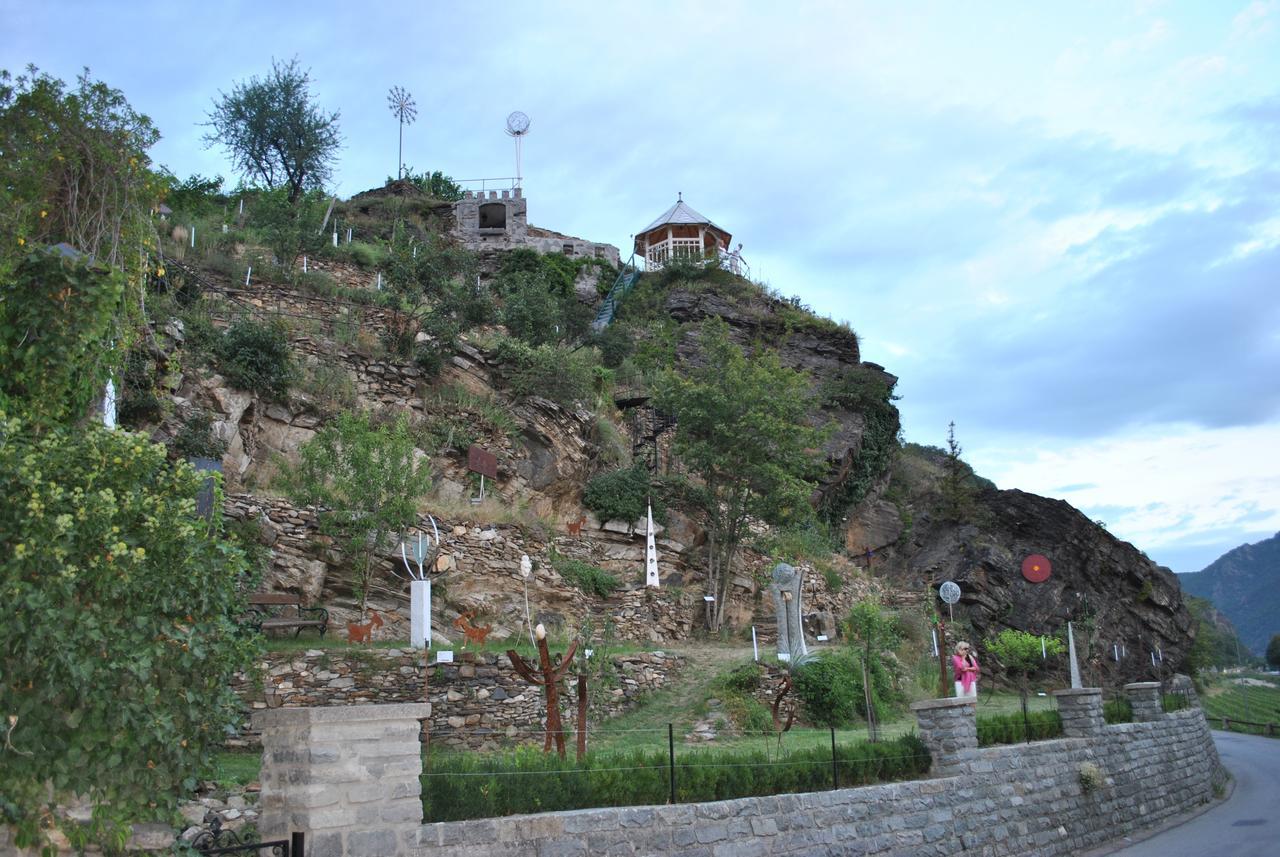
[625, 283]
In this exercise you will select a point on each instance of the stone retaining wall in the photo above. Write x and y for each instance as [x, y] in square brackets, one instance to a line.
[476, 702]
[1010, 800]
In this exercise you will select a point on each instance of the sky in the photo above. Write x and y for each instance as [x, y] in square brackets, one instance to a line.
[1057, 223]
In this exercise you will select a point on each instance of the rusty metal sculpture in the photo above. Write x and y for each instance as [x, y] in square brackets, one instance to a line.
[549, 678]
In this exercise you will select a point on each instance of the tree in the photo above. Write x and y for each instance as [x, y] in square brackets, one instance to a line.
[431, 283]
[56, 313]
[367, 479]
[1273, 652]
[290, 227]
[274, 132]
[744, 445]
[957, 488]
[872, 631]
[1020, 653]
[74, 170]
[118, 627]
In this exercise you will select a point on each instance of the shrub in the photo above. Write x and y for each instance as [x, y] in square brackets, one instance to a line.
[620, 495]
[117, 626]
[138, 402]
[256, 357]
[1118, 709]
[460, 786]
[829, 687]
[195, 438]
[549, 371]
[585, 576]
[1010, 728]
[1091, 778]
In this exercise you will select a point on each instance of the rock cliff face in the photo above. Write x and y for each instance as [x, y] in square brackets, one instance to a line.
[1119, 601]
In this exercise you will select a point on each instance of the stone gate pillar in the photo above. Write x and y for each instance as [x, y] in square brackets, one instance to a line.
[947, 727]
[1145, 698]
[347, 776]
[1081, 711]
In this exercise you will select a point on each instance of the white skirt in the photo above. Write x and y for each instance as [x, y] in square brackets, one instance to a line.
[973, 689]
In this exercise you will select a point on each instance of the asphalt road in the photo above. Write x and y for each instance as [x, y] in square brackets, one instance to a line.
[1246, 825]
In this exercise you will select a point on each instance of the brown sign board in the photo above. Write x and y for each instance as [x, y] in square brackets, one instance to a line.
[482, 462]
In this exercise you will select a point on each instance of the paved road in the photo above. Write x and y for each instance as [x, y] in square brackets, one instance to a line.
[1247, 825]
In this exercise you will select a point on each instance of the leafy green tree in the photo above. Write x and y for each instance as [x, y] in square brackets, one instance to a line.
[56, 312]
[1273, 652]
[1215, 645]
[872, 631]
[745, 448]
[74, 169]
[117, 626]
[367, 479]
[275, 133]
[435, 184]
[290, 227]
[432, 284]
[196, 196]
[1020, 654]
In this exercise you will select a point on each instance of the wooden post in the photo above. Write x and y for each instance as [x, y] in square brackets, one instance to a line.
[942, 661]
[582, 715]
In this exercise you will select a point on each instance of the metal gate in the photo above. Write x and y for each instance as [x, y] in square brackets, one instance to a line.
[215, 840]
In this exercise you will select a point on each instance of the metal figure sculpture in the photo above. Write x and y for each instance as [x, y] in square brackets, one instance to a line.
[548, 677]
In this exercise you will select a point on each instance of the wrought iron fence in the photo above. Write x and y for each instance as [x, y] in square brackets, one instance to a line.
[218, 840]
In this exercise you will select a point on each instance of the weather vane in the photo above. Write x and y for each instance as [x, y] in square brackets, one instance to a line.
[517, 126]
[403, 108]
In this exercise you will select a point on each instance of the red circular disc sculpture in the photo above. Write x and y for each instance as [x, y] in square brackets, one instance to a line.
[1036, 568]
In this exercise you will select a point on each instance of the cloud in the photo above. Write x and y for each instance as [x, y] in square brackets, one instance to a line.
[1165, 488]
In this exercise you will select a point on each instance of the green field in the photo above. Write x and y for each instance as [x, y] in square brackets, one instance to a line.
[1227, 696]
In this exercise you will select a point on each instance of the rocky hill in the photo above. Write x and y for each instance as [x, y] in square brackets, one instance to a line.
[1244, 583]
[550, 440]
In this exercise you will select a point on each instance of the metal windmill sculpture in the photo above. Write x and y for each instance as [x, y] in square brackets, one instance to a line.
[517, 127]
[403, 108]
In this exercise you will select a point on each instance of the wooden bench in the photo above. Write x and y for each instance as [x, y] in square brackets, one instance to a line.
[273, 611]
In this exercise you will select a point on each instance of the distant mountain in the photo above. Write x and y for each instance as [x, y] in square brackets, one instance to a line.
[1244, 583]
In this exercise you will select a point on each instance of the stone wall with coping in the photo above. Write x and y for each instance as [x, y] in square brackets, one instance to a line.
[477, 702]
[1007, 800]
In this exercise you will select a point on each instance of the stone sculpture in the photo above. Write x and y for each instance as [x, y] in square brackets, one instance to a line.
[785, 587]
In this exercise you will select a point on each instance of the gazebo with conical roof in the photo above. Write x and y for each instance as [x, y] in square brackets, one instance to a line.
[680, 233]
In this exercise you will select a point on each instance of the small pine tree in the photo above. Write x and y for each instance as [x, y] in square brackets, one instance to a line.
[957, 489]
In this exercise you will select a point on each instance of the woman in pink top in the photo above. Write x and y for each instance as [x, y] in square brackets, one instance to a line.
[965, 666]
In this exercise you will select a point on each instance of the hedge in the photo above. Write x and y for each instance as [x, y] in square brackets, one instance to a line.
[1010, 728]
[459, 786]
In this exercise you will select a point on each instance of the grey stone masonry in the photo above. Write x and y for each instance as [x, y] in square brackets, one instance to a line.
[1081, 711]
[948, 727]
[346, 775]
[1144, 696]
[1023, 800]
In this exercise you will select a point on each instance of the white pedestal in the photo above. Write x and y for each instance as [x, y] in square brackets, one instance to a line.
[420, 614]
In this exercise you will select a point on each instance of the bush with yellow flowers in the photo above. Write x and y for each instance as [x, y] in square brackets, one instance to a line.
[118, 628]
